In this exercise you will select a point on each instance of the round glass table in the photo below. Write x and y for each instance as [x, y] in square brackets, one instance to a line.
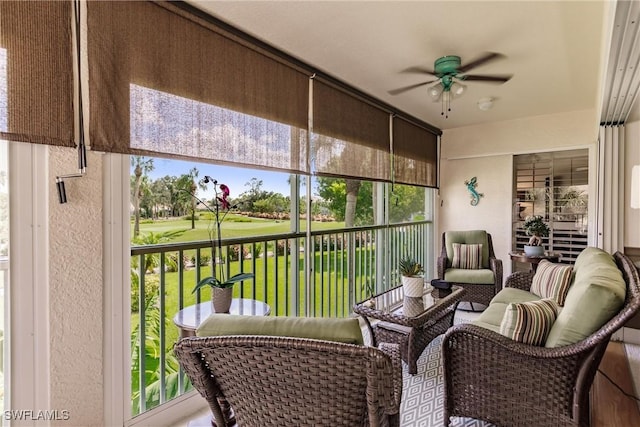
[189, 318]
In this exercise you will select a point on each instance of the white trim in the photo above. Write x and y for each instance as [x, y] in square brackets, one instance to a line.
[170, 413]
[29, 266]
[117, 375]
[631, 336]
[517, 152]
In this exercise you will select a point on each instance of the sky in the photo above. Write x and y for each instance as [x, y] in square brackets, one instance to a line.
[235, 178]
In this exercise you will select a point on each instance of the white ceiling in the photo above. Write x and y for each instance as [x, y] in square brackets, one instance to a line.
[553, 49]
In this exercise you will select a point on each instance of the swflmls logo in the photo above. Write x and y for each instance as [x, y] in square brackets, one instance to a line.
[31, 415]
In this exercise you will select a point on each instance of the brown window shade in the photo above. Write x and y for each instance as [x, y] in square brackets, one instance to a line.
[36, 72]
[350, 138]
[415, 154]
[164, 81]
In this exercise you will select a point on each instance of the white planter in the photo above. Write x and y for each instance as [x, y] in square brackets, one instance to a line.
[533, 250]
[413, 286]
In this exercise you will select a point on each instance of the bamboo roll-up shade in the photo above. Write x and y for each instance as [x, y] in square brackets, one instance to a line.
[164, 81]
[415, 154]
[350, 137]
[36, 72]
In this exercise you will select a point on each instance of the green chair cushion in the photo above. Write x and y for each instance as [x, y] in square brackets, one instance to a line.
[491, 317]
[328, 329]
[508, 295]
[596, 295]
[467, 237]
[478, 277]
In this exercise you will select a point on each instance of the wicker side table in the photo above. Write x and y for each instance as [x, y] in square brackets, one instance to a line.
[411, 322]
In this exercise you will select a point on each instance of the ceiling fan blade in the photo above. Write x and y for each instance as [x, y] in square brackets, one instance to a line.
[406, 88]
[489, 56]
[419, 70]
[491, 79]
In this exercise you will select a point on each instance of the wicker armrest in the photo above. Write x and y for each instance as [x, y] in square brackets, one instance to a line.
[393, 350]
[492, 342]
[496, 266]
[520, 280]
[441, 266]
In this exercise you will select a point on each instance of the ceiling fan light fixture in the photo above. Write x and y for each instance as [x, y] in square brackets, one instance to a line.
[457, 89]
[435, 91]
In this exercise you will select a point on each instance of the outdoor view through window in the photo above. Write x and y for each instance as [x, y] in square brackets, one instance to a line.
[173, 229]
[310, 251]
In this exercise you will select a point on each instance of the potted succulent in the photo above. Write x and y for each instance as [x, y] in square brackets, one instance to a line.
[535, 227]
[412, 280]
[221, 287]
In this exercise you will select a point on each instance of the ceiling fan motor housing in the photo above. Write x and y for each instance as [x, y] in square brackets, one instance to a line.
[447, 65]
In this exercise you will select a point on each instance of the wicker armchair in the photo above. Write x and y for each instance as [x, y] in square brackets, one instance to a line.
[280, 381]
[484, 283]
[490, 377]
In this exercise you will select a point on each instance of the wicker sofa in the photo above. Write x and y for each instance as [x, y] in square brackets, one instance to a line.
[491, 377]
[278, 371]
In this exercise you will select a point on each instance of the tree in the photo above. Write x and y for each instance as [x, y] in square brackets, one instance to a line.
[406, 201]
[193, 188]
[353, 207]
[141, 166]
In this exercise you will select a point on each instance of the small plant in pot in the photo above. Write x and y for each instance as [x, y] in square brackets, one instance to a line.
[535, 227]
[412, 280]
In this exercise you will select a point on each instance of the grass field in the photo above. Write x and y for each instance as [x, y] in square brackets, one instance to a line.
[233, 226]
[272, 284]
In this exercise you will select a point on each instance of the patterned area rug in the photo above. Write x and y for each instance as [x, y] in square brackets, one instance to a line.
[423, 393]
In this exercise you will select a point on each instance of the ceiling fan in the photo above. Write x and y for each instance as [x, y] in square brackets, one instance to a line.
[450, 74]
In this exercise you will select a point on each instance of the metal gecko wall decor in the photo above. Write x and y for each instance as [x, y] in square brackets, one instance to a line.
[471, 186]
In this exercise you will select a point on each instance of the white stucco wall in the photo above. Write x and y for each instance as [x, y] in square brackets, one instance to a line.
[486, 152]
[75, 292]
[632, 157]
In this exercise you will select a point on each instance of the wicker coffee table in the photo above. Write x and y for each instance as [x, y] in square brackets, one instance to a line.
[412, 322]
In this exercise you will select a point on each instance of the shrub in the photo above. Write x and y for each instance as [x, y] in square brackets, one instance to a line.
[151, 288]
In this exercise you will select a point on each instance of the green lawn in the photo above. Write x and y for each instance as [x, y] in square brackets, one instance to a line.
[329, 299]
[233, 226]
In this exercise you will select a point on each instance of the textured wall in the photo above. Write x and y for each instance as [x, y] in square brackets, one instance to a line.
[76, 301]
[493, 212]
[485, 151]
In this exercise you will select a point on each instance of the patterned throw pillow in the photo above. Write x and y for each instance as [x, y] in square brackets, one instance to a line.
[552, 281]
[468, 257]
[529, 322]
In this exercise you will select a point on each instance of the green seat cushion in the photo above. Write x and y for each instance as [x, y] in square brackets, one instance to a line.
[492, 316]
[596, 295]
[328, 329]
[467, 237]
[507, 295]
[478, 277]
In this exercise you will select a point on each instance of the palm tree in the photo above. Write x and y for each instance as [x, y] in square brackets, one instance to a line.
[193, 174]
[141, 166]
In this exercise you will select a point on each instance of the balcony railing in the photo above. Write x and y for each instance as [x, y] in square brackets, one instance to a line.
[322, 276]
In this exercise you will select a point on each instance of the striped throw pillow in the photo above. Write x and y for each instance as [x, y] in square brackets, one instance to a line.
[529, 322]
[552, 281]
[468, 257]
